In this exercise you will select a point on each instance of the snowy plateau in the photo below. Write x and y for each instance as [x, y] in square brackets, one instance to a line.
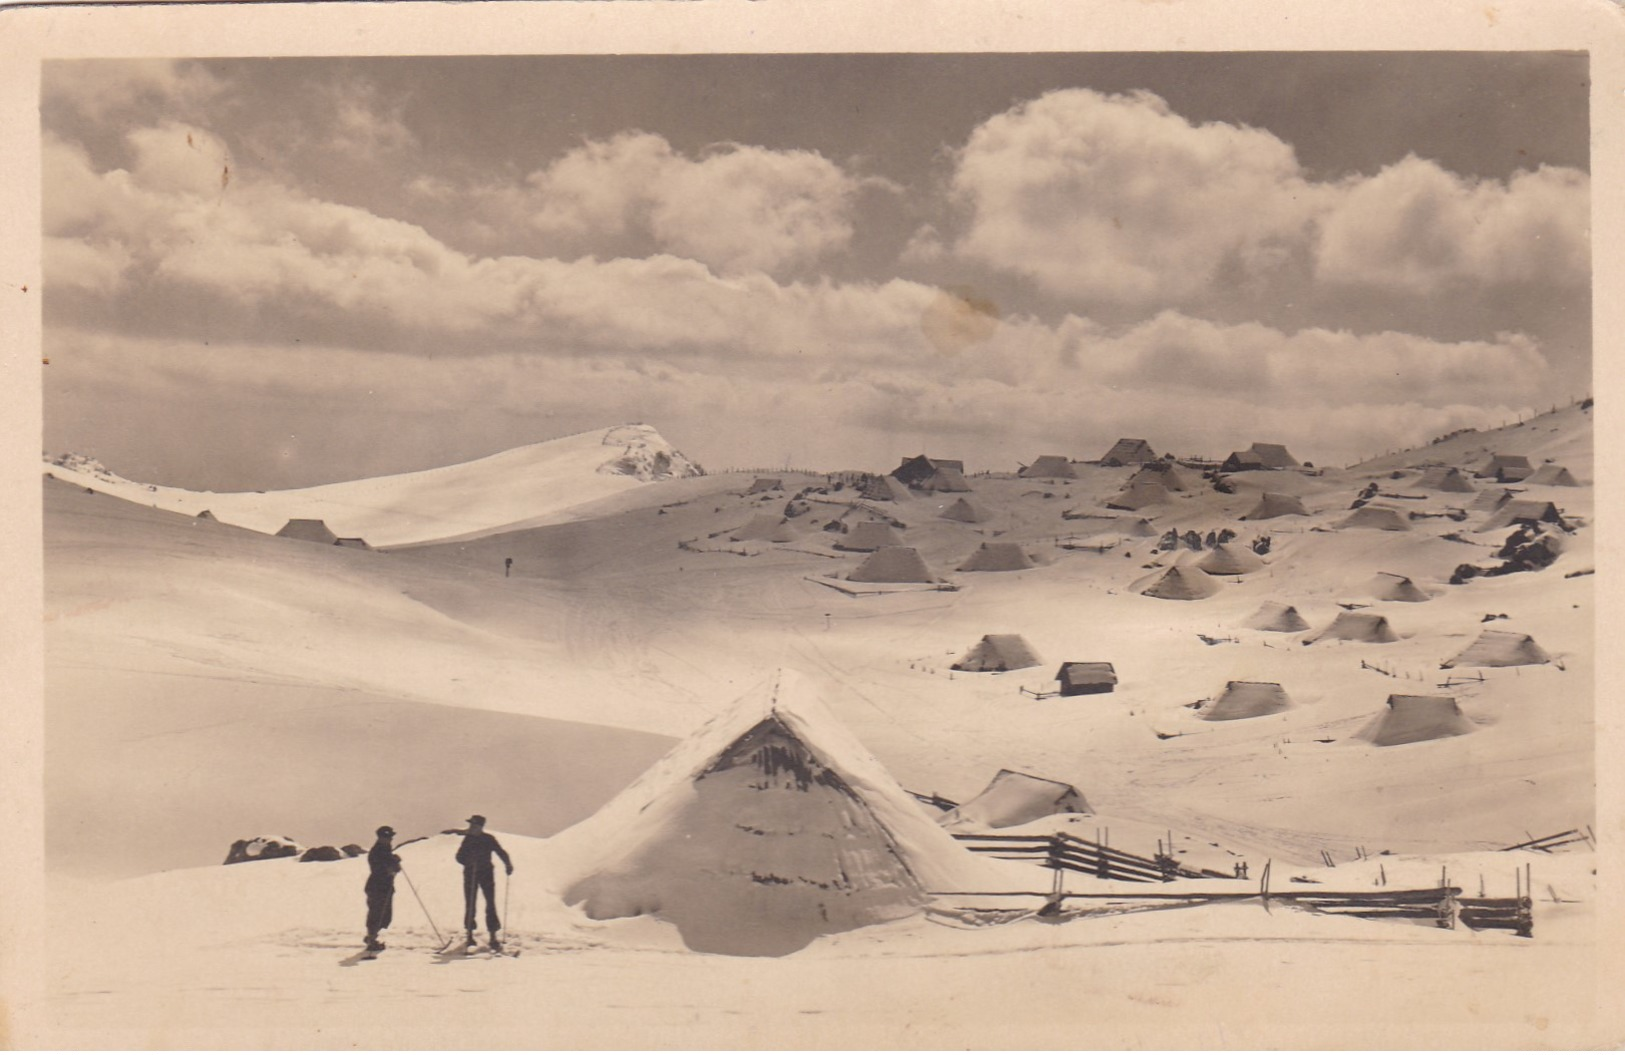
[726, 759]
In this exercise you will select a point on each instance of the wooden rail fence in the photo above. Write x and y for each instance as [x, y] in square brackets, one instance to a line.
[1516, 914]
[1443, 904]
[1070, 853]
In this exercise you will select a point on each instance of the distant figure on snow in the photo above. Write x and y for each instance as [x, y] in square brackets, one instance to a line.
[383, 863]
[507, 566]
[479, 874]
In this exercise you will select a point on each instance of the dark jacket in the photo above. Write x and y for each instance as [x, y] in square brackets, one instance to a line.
[475, 852]
[383, 864]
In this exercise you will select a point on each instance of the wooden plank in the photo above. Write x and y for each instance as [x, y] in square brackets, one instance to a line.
[1096, 855]
[1079, 863]
[1181, 895]
[968, 836]
[1073, 840]
[1375, 897]
[1117, 875]
[1543, 839]
[1382, 914]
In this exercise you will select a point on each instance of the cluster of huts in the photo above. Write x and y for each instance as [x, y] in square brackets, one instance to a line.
[1156, 480]
[1408, 718]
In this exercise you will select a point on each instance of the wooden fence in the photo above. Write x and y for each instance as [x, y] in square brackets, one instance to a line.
[1516, 914]
[1070, 853]
[1443, 904]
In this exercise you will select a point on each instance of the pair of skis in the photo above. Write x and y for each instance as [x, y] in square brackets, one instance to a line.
[458, 948]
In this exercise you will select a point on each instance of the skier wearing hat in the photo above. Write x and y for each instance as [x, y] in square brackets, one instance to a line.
[479, 874]
[382, 863]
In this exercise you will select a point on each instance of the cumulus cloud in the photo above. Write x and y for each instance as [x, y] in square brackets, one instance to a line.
[1118, 198]
[1417, 227]
[737, 208]
[179, 159]
[76, 263]
[100, 88]
[362, 124]
[669, 338]
[176, 217]
[1178, 353]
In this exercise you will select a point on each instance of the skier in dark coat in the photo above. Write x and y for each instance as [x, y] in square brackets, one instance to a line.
[382, 863]
[479, 874]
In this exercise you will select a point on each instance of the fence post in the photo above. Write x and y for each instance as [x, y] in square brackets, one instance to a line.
[1449, 908]
[1052, 904]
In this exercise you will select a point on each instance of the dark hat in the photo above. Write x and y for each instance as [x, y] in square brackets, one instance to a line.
[476, 819]
[386, 830]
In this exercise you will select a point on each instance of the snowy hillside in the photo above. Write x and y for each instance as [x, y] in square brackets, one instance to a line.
[529, 484]
[1563, 436]
[207, 683]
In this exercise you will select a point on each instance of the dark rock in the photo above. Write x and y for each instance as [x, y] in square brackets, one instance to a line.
[265, 848]
[1464, 572]
[322, 853]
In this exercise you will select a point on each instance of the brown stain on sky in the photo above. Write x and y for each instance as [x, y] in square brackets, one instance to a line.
[956, 319]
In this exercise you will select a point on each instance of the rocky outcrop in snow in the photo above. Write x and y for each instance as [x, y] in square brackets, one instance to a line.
[263, 848]
[646, 455]
[82, 463]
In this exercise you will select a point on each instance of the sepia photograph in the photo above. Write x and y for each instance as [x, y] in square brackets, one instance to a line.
[684, 547]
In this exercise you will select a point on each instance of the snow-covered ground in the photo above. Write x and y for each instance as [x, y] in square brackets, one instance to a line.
[208, 683]
[263, 955]
[532, 484]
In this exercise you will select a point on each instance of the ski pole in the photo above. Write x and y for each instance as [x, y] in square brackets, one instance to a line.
[421, 905]
[507, 888]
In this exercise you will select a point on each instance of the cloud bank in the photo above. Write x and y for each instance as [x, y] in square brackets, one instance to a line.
[185, 271]
[1116, 197]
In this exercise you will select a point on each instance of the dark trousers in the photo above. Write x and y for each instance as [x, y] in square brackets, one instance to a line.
[380, 909]
[474, 881]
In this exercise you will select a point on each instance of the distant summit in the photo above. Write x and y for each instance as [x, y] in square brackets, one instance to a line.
[646, 455]
[526, 485]
[80, 463]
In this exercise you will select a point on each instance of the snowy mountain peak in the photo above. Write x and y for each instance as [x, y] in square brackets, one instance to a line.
[646, 455]
[525, 485]
[81, 463]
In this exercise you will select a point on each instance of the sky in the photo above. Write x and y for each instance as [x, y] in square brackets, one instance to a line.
[265, 273]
